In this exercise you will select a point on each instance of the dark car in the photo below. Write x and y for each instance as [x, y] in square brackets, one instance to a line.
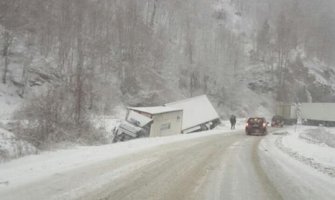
[277, 121]
[256, 126]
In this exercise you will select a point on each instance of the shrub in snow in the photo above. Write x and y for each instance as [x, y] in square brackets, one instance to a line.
[12, 147]
[54, 116]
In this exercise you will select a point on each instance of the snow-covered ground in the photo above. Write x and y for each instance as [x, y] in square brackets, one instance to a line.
[313, 146]
[35, 167]
[301, 158]
[298, 161]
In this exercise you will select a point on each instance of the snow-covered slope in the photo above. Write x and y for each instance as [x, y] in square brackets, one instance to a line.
[13, 147]
[296, 158]
[180, 49]
[34, 167]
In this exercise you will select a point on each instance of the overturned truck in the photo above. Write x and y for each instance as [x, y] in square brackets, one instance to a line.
[186, 116]
[134, 126]
[149, 122]
[198, 114]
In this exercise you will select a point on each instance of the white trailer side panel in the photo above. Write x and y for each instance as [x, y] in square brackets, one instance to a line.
[287, 111]
[165, 124]
[196, 111]
[318, 111]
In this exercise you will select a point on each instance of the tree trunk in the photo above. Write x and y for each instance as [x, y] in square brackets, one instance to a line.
[153, 15]
[7, 42]
[79, 94]
[79, 80]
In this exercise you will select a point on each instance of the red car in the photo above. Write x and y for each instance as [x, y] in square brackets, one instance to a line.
[256, 126]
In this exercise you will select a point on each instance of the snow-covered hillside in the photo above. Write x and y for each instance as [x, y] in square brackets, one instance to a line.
[223, 71]
[64, 75]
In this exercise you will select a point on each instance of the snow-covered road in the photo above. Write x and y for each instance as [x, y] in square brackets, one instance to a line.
[200, 166]
[216, 167]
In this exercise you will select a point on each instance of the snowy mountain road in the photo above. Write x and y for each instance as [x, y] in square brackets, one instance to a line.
[216, 166]
[213, 167]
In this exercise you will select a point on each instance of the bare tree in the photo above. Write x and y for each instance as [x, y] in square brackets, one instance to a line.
[8, 39]
[79, 74]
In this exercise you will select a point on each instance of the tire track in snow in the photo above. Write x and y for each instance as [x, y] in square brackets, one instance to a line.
[261, 174]
[330, 171]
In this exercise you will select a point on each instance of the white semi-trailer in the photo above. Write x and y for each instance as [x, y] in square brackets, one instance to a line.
[318, 113]
[198, 114]
[309, 113]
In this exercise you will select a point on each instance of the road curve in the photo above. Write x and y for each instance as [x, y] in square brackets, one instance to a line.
[213, 167]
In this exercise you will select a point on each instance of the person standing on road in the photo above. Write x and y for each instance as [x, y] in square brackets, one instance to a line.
[232, 121]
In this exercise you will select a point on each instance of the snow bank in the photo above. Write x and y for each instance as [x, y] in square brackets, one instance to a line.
[318, 150]
[300, 169]
[321, 136]
[307, 145]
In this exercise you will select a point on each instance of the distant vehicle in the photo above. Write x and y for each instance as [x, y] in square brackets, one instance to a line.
[314, 114]
[256, 126]
[288, 112]
[277, 121]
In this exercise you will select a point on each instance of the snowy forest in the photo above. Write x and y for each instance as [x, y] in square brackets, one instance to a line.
[67, 61]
